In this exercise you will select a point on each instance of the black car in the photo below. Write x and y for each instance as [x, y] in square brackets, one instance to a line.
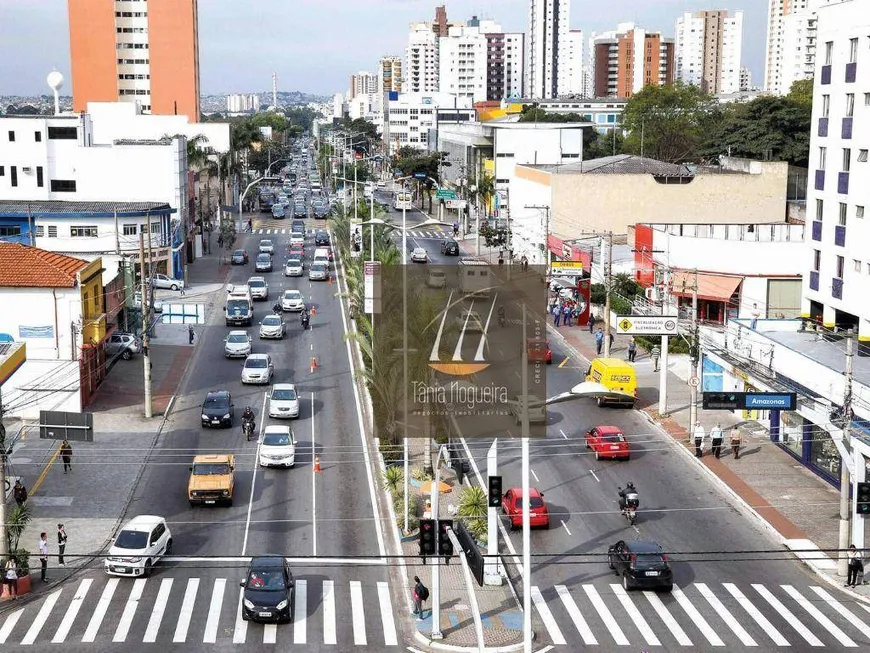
[641, 564]
[321, 237]
[298, 225]
[450, 247]
[300, 211]
[217, 409]
[269, 590]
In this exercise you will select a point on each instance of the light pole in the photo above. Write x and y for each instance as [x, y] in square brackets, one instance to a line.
[242, 196]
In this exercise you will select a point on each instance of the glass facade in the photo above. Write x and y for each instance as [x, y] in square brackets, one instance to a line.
[792, 432]
[823, 453]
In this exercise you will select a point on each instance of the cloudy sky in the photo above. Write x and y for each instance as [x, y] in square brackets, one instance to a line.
[314, 45]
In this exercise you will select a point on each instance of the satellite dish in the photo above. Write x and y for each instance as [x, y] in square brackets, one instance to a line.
[54, 80]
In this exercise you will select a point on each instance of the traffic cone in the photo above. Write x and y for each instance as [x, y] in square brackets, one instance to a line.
[317, 464]
[330, 279]
[313, 311]
[313, 364]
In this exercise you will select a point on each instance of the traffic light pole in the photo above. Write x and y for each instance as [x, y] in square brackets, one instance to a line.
[845, 513]
[491, 574]
[435, 561]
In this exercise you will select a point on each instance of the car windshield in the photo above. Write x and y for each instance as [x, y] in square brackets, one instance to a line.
[292, 294]
[238, 338]
[216, 402]
[296, 234]
[239, 252]
[265, 243]
[277, 439]
[272, 320]
[283, 395]
[436, 273]
[318, 267]
[648, 561]
[211, 469]
[131, 540]
[536, 502]
[256, 363]
[237, 305]
[264, 258]
[270, 581]
[294, 262]
[612, 437]
[256, 283]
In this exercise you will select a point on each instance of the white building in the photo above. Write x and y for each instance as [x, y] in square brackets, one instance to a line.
[243, 103]
[362, 83]
[547, 42]
[413, 117]
[574, 62]
[421, 60]
[745, 79]
[838, 257]
[514, 65]
[462, 61]
[707, 50]
[605, 114]
[390, 75]
[339, 109]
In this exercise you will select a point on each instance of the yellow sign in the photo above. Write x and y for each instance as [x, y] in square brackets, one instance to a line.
[625, 325]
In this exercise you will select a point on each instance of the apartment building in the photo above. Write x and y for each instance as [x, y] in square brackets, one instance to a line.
[463, 61]
[421, 60]
[413, 118]
[574, 64]
[707, 50]
[547, 44]
[390, 74]
[362, 83]
[243, 103]
[136, 51]
[504, 65]
[629, 58]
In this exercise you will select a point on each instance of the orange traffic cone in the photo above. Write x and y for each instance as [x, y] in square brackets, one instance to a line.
[313, 364]
[317, 464]
[313, 311]
[330, 279]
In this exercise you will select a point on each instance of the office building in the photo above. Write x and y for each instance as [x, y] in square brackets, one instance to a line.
[136, 51]
[413, 118]
[628, 59]
[707, 50]
[547, 42]
[390, 75]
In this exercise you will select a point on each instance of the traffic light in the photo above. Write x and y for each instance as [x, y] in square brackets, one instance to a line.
[862, 498]
[445, 546]
[494, 491]
[427, 537]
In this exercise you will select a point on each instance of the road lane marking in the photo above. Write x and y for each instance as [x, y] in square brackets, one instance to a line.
[300, 612]
[328, 612]
[576, 616]
[787, 615]
[756, 615]
[100, 611]
[298, 560]
[9, 624]
[159, 608]
[313, 485]
[631, 609]
[270, 633]
[547, 617]
[842, 610]
[263, 415]
[41, 478]
[667, 618]
[41, 618]
[214, 611]
[609, 622]
[240, 630]
[563, 434]
[358, 613]
[387, 620]
[72, 611]
[130, 607]
[816, 614]
[696, 617]
[592, 471]
[562, 364]
[537, 480]
[186, 611]
[565, 526]
[726, 616]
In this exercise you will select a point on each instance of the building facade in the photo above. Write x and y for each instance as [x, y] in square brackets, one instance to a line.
[573, 62]
[421, 60]
[362, 83]
[463, 62]
[628, 59]
[414, 118]
[707, 50]
[390, 75]
[838, 257]
[136, 51]
[243, 103]
[547, 44]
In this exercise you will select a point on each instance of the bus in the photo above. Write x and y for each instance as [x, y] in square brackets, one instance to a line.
[402, 200]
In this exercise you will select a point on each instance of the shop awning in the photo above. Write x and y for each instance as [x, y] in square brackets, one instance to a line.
[712, 287]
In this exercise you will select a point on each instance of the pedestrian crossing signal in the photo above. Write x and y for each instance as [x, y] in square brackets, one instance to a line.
[862, 498]
[427, 537]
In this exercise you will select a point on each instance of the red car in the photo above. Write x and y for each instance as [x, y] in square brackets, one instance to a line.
[512, 506]
[296, 251]
[539, 351]
[607, 442]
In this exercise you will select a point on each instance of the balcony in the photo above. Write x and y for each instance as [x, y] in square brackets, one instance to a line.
[851, 71]
[814, 280]
[846, 129]
[840, 235]
[843, 183]
[823, 126]
[826, 74]
[817, 230]
[837, 288]
[820, 180]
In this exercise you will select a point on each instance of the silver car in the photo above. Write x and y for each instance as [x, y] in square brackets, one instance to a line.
[293, 267]
[237, 344]
[167, 283]
[318, 272]
[123, 345]
[272, 326]
[259, 288]
[284, 401]
[258, 368]
[263, 263]
[266, 246]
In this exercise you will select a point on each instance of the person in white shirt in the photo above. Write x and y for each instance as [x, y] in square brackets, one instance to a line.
[42, 546]
[855, 565]
[698, 434]
[716, 436]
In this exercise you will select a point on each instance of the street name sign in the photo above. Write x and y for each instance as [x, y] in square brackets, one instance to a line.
[647, 325]
[750, 401]
[455, 204]
[419, 175]
[445, 194]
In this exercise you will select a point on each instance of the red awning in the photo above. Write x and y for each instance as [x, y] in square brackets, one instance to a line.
[712, 287]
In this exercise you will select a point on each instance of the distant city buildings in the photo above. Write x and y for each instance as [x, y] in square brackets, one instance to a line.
[574, 64]
[629, 58]
[505, 73]
[707, 50]
[362, 83]
[745, 79]
[243, 103]
[546, 46]
[390, 75]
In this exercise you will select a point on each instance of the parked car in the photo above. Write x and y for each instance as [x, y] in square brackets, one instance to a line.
[217, 409]
[124, 345]
[166, 283]
[139, 545]
[284, 401]
[237, 344]
[608, 442]
[641, 564]
[258, 368]
[268, 590]
[240, 257]
[278, 447]
[512, 506]
[539, 351]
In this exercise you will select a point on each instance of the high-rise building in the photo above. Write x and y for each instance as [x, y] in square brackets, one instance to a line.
[745, 79]
[390, 75]
[136, 51]
[572, 62]
[628, 59]
[421, 60]
[362, 83]
[504, 65]
[547, 42]
[707, 50]
[463, 61]
[837, 284]
[241, 102]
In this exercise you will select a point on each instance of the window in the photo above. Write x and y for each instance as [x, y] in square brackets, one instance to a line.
[83, 232]
[867, 99]
[52, 231]
[63, 186]
[39, 180]
[859, 211]
[155, 227]
[13, 175]
[817, 260]
[829, 52]
[841, 266]
[857, 264]
[853, 50]
[843, 209]
[826, 106]
[11, 136]
[8, 231]
[850, 104]
[131, 229]
[862, 156]
[62, 133]
[847, 159]
[823, 157]
[40, 231]
[37, 136]
[2, 171]
[820, 207]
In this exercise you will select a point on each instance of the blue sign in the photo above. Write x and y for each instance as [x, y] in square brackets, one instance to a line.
[770, 401]
[419, 175]
[35, 332]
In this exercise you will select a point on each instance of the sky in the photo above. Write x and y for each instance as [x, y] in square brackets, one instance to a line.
[315, 45]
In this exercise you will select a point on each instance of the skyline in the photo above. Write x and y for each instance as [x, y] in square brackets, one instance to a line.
[318, 28]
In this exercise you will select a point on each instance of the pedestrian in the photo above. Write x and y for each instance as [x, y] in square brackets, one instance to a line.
[61, 544]
[599, 340]
[655, 353]
[855, 565]
[20, 493]
[591, 323]
[566, 314]
[735, 442]
[500, 261]
[10, 577]
[250, 226]
[189, 334]
[610, 339]
[755, 315]
[42, 546]
[632, 350]
[421, 595]
[220, 241]
[66, 455]
[716, 436]
[557, 313]
[699, 436]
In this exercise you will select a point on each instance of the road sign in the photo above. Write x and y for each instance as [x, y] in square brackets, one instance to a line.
[647, 325]
[694, 381]
[58, 425]
[750, 401]
[445, 194]
[455, 204]
[419, 175]
[372, 287]
[567, 269]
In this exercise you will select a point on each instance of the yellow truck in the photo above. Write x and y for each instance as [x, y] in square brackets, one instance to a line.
[212, 480]
[616, 375]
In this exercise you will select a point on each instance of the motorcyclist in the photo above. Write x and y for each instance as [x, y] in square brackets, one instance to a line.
[248, 416]
[277, 308]
[628, 496]
[501, 315]
[303, 316]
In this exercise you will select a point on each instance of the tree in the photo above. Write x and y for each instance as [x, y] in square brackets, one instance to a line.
[277, 121]
[801, 92]
[596, 145]
[303, 117]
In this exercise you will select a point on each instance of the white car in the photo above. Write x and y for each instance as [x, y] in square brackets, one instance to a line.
[278, 447]
[266, 246]
[436, 279]
[272, 326]
[470, 321]
[140, 544]
[167, 283]
[297, 238]
[419, 255]
[259, 288]
[318, 272]
[293, 267]
[537, 409]
[258, 368]
[382, 184]
[284, 401]
[237, 344]
[292, 301]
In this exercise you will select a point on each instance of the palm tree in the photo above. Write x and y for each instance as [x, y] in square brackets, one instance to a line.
[484, 190]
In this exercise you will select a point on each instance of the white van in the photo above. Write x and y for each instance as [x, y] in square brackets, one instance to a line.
[321, 255]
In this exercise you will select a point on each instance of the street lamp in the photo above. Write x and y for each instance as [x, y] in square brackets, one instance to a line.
[242, 197]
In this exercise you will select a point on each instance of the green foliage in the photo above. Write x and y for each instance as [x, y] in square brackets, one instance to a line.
[531, 113]
[394, 476]
[801, 92]
[473, 503]
[421, 474]
[596, 145]
[675, 345]
[302, 117]
[478, 528]
[17, 520]
[277, 121]
[597, 294]
[625, 285]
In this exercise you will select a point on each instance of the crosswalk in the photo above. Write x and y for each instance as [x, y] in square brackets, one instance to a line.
[424, 234]
[702, 615]
[98, 609]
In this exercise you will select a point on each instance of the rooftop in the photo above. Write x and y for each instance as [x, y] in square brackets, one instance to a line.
[37, 208]
[22, 266]
[619, 164]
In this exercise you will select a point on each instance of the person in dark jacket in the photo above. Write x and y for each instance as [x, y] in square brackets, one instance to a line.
[20, 493]
[66, 455]
[421, 594]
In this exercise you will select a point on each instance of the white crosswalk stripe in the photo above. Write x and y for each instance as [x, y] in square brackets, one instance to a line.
[186, 613]
[726, 616]
[41, 618]
[547, 616]
[608, 619]
[635, 615]
[100, 613]
[817, 614]
[788, 615]
[300, 612]
[576, 616]
[693, 614]
[842, 610]
[756, 614]
[72, 612]
[214, 611]
[130, 610]
[159, 609]
[668, 619]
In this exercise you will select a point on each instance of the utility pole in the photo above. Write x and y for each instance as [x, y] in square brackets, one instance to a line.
[4, 541]
[526, 516]
[842, 563]
[146, 318]
[663, 354]
[694, 354]
[546, 209]
[608, 283]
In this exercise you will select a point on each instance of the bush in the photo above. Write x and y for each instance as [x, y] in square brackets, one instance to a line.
[394, 476]
[22, 559]
[675, 345]
[420, 474]
[478, 528]
[391, 452]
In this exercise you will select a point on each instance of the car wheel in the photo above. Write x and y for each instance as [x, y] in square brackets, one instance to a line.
[244, 616]
[174, 286]
[600, 403]
[550, 362]
[192, 503]
[626, 584]
[514, 525]
[587, 444]
[230, 502]
[627, 457]
[169, 547]
[126, 355]
[667, 588]
[597, 456]
[147, 571]
[547, 525]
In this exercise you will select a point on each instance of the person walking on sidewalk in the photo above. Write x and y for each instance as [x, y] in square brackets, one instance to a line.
[655, 353]
[20, 493]
[632, 349]
[10, 577]
[566, 314]
[190, 334]
[698, 434]
[716, 436]
[66, 456]
[599, 340]
[42, 547]
[610, 339]
[61, 544]
[855, 565]
[591, 323]
[420, 595]
[735, 442]
[557, 313]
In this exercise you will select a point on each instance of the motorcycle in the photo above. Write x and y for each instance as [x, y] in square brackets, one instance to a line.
[501, 320]
[305, 320]
[248, 428]
[628, 504]
[277, 309]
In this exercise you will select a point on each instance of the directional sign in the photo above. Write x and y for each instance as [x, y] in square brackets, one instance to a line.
[567, 268]
[419, 175]
[455, 204]
[647, 325]
[372, 287]
[750, 401]
[444, 194]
